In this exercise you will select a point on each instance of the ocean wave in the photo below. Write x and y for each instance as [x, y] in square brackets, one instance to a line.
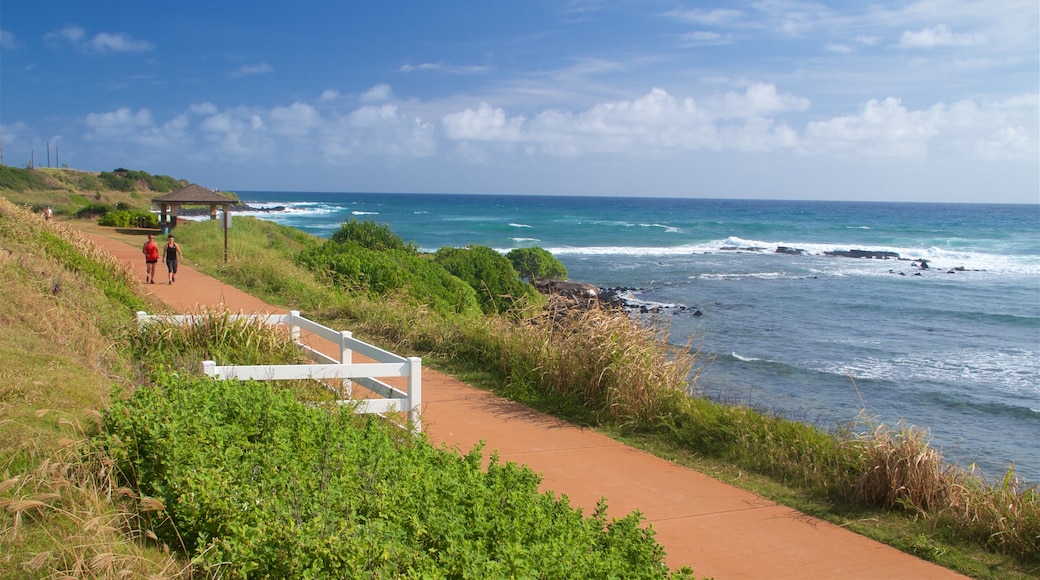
[518, 225]
[938, 259]
[666, 228]
[360, 212]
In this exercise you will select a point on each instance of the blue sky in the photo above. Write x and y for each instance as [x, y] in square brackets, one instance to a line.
[930, 100]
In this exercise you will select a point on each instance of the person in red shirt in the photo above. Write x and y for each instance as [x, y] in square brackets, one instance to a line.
[151, 256]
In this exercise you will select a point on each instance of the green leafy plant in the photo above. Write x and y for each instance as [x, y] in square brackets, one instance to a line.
[497, 284]
[536, 264]
[253, 483]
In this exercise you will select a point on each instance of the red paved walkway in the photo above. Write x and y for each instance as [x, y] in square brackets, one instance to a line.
[718, 530]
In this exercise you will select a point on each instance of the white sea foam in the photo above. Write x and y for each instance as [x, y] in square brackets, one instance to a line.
[745, 358]
[938, 258]
[525, 240]
[666, 228]
[359, 212]
[519, 225]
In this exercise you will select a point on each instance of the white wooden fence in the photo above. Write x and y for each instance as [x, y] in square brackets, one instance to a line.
[325, 368]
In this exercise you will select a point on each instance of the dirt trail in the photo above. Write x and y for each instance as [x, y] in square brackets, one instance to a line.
[718, 530]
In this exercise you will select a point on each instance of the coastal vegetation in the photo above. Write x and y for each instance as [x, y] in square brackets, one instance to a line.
[176, 475]
[596, 367]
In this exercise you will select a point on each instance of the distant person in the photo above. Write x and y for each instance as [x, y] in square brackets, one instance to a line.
[172, 251]
[151, 256]
[48, 214]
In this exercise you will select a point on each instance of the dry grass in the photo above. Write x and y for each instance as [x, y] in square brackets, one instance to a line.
[60, 516]
[900, 468]
[597, 357]
[67, 519]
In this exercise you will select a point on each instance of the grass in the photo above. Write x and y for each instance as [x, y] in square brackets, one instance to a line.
[603, 370]
[885, 483]
[58, 512]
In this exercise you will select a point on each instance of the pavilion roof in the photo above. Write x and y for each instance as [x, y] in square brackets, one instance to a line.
[194, 194]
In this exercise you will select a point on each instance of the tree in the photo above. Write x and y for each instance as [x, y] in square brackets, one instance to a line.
[535, 264]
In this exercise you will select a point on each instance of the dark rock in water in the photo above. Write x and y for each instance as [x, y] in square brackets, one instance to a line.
[791, 251]
[576, 290]
[922, 264]
[747, 249]
[872, 254]
[580, 296]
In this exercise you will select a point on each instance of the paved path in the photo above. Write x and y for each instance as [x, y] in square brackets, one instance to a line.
[718, 530]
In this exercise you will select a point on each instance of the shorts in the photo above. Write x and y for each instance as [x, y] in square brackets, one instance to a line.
[151, 261]
[171, 265]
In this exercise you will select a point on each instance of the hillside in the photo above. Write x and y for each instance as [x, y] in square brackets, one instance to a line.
[69, 190]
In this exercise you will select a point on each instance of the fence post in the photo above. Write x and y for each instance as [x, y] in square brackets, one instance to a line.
[294, 331]
[142, 316]
[415, 393]
[209, 368]
[346, 357]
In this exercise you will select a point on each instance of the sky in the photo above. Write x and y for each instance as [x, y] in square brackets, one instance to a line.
[929, 100]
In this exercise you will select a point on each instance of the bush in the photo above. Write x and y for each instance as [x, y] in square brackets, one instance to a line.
[373, 236]
[537, 264]
[130, 219]
[391, 271]
[253, 483]
[497, 284]
[93, 210]
[116, 181]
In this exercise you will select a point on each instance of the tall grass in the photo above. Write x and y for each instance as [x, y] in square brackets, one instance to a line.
[63, 302]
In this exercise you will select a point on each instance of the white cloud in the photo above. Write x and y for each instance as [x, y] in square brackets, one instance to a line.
[103, 42]
[119, 42]
[206, 108]
[7, 40]
[296, 120]
[252, 69]
[717, 17]
[329, 95]
[964, 129]
[483, 124]
[140, 129]
[757, 100]
[939, 35]
[441, 67]
[380, 93]
[70, 33]
[705, 38]
[121, 122]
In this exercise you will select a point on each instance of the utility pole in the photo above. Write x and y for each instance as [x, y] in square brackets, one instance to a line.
[48, 155]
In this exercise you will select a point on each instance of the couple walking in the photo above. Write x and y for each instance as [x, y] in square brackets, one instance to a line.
[151, 256]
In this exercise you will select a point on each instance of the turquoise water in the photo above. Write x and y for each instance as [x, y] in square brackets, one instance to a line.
[954, 348]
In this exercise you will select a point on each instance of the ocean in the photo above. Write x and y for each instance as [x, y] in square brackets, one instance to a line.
[946, 337]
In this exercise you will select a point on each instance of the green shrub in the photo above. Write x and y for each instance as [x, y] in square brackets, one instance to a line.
[93, 210]
[368, 234]
[253, 483]
[535, 264]
[391, 271]
[497, 284]
[116, 181]
[130, 219]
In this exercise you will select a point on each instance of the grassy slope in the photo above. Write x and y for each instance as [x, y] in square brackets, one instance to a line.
[57, 369]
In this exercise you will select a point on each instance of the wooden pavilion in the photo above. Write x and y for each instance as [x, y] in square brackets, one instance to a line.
[193, 194]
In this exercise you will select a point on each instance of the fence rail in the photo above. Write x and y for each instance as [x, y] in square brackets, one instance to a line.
[325, 368]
